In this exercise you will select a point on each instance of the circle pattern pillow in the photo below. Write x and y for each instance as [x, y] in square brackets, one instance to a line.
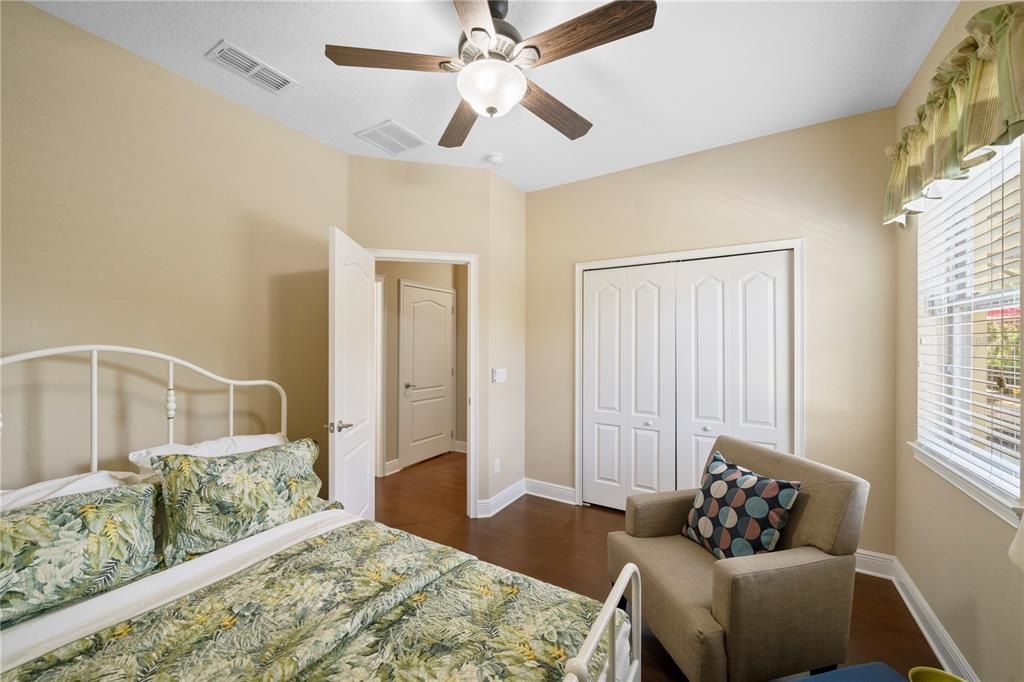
[737, 512]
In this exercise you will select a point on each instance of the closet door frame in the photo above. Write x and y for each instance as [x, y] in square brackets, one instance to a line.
[794, 245]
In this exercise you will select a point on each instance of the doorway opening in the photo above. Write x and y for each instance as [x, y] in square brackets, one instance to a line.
[424, 347]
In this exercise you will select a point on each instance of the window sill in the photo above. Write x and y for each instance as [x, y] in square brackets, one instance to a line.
[1002, 506]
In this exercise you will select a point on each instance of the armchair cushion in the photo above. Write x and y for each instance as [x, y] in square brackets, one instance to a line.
[766, 602]
[738, 512]
[676, 577]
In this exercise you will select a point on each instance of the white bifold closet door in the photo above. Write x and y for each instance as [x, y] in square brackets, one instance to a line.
[734, 355]
[628, 382]
[675, 355]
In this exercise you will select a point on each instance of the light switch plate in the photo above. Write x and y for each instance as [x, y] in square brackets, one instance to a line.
[499, 375]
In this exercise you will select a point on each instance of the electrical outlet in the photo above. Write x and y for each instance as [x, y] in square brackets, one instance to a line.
[497, 466]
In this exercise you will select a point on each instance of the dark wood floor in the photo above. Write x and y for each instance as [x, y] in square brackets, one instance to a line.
[565, 545]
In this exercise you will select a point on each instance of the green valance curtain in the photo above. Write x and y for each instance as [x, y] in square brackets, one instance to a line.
[976, 101]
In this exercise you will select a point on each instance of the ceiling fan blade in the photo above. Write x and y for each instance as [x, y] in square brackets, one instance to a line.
[554, 113]
[605, 24]
[385, 59]
[459, 127]
[475, 16]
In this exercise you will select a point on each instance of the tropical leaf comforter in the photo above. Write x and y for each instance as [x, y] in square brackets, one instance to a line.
[363, 601]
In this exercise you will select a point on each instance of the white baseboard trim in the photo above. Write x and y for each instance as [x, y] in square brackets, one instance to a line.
[941, 642]
[392, 467]
[490, 507]
[876, 564]
[459, 446]
[889, 567]
[551, 491]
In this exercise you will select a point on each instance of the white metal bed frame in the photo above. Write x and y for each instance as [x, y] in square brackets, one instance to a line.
[170, 403]
[576, 668]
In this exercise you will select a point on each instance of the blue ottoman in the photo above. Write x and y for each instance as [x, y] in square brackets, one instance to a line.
[865, 672]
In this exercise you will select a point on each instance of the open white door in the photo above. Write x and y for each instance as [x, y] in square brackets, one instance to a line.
[352, 380]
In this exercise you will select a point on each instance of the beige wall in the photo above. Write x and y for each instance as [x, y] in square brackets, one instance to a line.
[954, 549]
[435, 274]
[466, 210]
[823, 184]
[146, 210]
[507, 342]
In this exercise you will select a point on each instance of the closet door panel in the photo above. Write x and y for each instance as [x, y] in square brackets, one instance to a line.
[607, 313]
[647, 371]
[646, 461]
[706, 333]
[756, 354]
[734, 353]
[764, 357]
[628, 391]
[703, 348]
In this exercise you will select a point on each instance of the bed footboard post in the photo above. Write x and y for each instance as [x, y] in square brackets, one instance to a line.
[94, 411]
[172, 404]
[635, 618]
[577, 668]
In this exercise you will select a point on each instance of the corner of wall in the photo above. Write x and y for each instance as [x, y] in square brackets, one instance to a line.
[507, 342]
[971, 594]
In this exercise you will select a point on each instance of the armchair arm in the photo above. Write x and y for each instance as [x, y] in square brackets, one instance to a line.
[783, 612]
[657, 514]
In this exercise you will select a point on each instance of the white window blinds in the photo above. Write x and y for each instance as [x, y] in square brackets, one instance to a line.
[968, 269]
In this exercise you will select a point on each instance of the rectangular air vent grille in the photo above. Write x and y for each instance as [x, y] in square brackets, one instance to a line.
[391, 137]
[244, 64]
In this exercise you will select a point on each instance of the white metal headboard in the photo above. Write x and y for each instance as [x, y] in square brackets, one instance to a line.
[171, 405]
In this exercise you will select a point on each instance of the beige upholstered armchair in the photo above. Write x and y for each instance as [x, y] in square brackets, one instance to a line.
[753, 617]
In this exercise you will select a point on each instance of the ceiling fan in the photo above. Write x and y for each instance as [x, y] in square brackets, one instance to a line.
[492, 56]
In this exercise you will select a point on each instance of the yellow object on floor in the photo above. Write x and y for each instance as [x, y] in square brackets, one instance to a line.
[926, 674]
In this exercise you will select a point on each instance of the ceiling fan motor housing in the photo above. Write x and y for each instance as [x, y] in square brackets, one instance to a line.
[498, 8]
[502, 46]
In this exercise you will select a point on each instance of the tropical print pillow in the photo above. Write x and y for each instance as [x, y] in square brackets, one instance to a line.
[213, 502]
[75, 546]
[737, 512]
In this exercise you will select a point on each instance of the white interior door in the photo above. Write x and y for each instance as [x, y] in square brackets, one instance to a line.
[426, 372]
[734, 355]
[628, 382]
[352, 380]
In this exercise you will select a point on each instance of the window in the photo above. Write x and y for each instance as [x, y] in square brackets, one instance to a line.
[968, 409]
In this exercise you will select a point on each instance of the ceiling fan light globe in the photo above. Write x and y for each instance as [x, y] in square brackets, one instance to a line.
[491, 86]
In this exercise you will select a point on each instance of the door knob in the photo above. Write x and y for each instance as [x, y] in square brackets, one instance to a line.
[705, 428]
[648, 422]
[408, 385]
[342, 425]
[329, 427]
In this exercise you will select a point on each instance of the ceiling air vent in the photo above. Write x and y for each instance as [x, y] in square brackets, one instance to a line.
[244, 64]
[391, 137]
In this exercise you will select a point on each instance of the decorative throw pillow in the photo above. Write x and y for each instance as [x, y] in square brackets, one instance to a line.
[65, 548]
[738, 512]
[212, 502]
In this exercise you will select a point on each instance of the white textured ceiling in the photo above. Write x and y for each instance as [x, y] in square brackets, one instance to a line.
[707, 74]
